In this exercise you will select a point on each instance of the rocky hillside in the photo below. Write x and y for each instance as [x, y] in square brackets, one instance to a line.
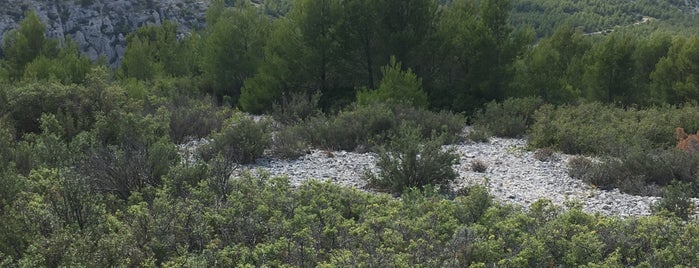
[101, 26]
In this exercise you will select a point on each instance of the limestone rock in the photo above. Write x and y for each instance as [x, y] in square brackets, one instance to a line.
[100, 26]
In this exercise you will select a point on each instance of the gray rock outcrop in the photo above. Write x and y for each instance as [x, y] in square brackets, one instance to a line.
[100, 26]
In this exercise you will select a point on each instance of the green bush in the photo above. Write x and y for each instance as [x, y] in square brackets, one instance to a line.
[587, 128]
[296, 108]
[397, 86]
[409, 161]
[472, 204]
[181, 178]
[45, 149]
[639, 172]
[478, 134]
[511, 118]
[241, 140]
[579, 167]
[290, 142]
[194, 119]
[637, 146]
[364, 127]
[448, 123]
[677, 200]
[595, 128]
[26, 104]
[123, 169]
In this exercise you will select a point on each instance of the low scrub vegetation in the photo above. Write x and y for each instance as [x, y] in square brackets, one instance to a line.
[545, 155]
[511, 118]
[92, 174]
[264, 221]
[241, 140]
[636, 147]
[366, 127]
[413, 161]
[599, 129]
[640, 173]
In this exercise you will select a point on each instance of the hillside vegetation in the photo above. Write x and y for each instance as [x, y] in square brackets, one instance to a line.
[593, 15]
[99, 167]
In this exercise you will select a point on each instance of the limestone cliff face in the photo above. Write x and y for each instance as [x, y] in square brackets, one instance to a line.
[101, 26]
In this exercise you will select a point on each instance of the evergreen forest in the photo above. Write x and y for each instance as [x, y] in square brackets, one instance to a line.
[138, 165]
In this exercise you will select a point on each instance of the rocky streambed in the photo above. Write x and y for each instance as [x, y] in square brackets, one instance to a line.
[513, 175]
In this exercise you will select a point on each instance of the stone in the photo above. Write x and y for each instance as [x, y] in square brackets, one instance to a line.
[519, 181]
[100, 26]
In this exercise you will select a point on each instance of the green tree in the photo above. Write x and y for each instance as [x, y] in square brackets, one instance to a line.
[404, 27]
[646, 56]
[155, 50]
[277, 8]
[138, 61]
[319, 23]
[538, 74]
[360, 31]
[397, 86]
[548, 70]
[675, 77]
[283, 71]
[23, 45]
[69, 66]
[609, 76]
[476, 54]
[234, 48]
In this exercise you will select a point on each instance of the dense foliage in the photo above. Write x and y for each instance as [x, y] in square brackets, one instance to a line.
[593, 15]
[263, 221]
[135, 167]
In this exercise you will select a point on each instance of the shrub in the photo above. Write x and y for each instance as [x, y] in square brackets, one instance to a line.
[129, 167]
[478, 134]
[241, 140]
[126, 152]
[545, 155]
[397, 86]
[578, 167]
[594, 128]
[296, 108]
[588, 128]
[450, 124]
[363, 127]
[290, 142]
[194, 119]
[511, 118]
[677, 200]
[639, 172]
[181, 178]
[409, 160]
[472, 203]
[27, 103]
[479, 166]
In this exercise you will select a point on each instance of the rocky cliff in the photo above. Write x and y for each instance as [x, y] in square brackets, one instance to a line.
[101, 26]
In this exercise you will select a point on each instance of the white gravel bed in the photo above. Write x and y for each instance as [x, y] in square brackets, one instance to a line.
[343, 168]
[513, 176]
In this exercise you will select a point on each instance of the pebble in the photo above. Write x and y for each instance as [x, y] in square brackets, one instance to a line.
[513, 176]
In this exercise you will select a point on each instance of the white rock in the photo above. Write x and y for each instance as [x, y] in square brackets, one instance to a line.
[513, 176]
